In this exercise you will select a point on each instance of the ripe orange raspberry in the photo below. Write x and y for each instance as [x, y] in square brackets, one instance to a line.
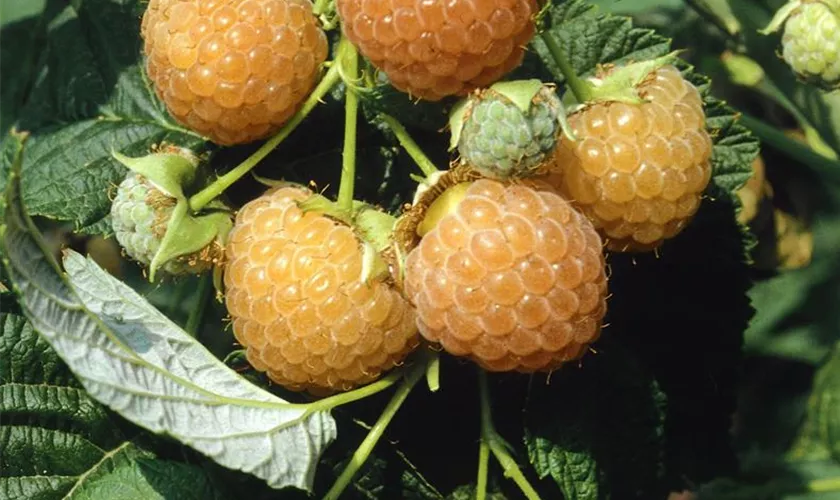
[639, 171]
[294, 291]
[434, 49]
[232, 70]
[513, 277]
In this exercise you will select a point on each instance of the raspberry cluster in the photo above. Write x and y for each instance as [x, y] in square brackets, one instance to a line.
[232, 70]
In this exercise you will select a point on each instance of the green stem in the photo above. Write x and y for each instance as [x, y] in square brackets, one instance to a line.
[350, 58]
[497, 446]
[579, 87]
[718, 13]
[211, 192]
[320, 7]
[483, 462]
[366, 447]
[826, 168]
[205, 291]
[363, 392]
[824, 485]
[409, 145]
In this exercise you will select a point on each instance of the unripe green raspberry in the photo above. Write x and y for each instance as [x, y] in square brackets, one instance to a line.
[501, 141]
[139, 215]
[811, 42]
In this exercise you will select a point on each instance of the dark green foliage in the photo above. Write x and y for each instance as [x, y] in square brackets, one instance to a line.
[609, 446]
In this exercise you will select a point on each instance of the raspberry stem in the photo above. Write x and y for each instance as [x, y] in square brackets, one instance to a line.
[426, 166]
[320, 7]
[196, 317]
[491, 438]
[211, 192]
[483, 464]
[827, 168]
[350, 62]
[414, 374]
[331, 402]
[578, 86]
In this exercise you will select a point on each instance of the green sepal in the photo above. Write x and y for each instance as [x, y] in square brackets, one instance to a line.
[265, 181]
[167, 172]
[743, 70]
[520, 92]
[780, 17]
[320, 204]
[374, 267]
[563, 120]
[375, 227]
[620, 85]
[187, 233]
[456, 120]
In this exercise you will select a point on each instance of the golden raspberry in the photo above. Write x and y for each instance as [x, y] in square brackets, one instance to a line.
[638, 171]
[298, 305]
[434, 49]
[232, 70]
[513, 277]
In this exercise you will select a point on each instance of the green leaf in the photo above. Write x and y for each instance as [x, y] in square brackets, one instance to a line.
[55, 438]
[806, 480]
[821, 429]
[146, 479]
[607, 446]
[91, 98]
[383, 98]
[23, 21]
[130, 357]
[70, 172]
[590, 38]
[467, 492]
